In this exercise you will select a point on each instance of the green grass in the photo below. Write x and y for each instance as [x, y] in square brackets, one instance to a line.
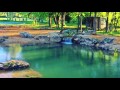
[113, 33]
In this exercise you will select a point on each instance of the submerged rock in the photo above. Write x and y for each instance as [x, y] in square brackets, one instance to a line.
[14, 65]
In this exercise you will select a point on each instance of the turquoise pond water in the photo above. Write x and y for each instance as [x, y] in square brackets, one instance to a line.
[65, 61]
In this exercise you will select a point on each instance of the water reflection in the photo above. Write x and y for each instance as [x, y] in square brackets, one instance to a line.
[73, 61]
[13, 52]
[3, 54]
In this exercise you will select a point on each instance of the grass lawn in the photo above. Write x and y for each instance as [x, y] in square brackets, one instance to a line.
[113, 33]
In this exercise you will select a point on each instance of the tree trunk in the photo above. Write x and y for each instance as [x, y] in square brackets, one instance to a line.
[7, 15]
[78, 23]
[90, 22]
[58, 21]
[81, 23]
[55, 20]
[62, 14]
[107, 25]
[23, 19]
[15, 18]
[50, 20]
[26, 19]
[115, 22]
[90, 14]
[19, 18]
[95, 23]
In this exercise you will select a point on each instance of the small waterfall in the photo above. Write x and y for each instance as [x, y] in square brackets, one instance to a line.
[67, 40]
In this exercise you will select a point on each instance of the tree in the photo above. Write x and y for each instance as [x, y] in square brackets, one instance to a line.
[95, 22]
[90, 14]
[50, 19]
[107, 25]
[62, 21]
[78, 23]
[81, 22]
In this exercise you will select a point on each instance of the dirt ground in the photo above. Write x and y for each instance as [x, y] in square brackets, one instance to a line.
[16, 32]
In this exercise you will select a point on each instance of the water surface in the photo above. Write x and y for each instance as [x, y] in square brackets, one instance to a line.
[65, 61]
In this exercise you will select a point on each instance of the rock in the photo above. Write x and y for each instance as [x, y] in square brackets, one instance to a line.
[4, 37]
[2, 40]
[55, 37]
[107, 40]
[26, 35]
[115, 47]
[14, 65]
[85, 41]
[69, 32]
[42, 38]
[106, 44]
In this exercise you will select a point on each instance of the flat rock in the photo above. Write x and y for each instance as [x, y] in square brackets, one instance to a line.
[14, 65]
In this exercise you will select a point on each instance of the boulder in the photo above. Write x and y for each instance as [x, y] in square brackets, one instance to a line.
[106, 44]
[42, 38]
[55, 37]
[26, 35]
[69, 32]
[85, 41]
[14, 65]
[107, 41]
[4, 37]
[2, 40]
[38, 37]
[115, 47]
